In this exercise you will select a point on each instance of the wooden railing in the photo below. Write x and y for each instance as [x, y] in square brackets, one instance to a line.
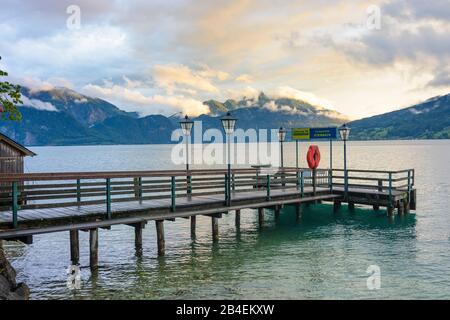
[51, 190]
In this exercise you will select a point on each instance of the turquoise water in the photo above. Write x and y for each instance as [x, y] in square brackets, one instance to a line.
[323, 256]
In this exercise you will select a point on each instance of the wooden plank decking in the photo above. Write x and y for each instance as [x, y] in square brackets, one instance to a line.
[169, 194]
[32, 204]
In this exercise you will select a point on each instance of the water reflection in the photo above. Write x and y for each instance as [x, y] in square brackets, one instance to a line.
[325, 255]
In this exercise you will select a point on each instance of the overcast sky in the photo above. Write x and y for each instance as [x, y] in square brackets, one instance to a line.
[168, 56]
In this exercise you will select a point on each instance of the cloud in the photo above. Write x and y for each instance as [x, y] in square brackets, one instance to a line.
[414, 37]
[172, 76]
[37, 104]
[207, 51]
[441, 78]
[240, 93]
[77, 55]
[289, 92]
[80, 101]
[35, 84]
[133, 100]
[418, 9]
[245, 78]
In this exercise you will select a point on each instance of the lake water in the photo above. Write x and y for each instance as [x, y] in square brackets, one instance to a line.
[324, 256]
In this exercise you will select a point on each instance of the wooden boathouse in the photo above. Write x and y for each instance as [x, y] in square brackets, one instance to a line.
[37, 203]
[11, 155]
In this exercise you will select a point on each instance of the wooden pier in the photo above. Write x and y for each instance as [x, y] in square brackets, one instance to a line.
[37, 203]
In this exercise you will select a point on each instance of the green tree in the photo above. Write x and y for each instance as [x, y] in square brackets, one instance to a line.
[9, 99]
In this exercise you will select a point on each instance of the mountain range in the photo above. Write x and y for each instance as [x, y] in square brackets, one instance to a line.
[62, 116]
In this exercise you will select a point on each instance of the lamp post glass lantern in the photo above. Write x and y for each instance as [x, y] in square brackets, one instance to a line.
[344, 132]
[186, 126]
[228, 123]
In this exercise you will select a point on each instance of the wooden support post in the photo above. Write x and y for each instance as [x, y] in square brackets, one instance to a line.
[108, 198]
[380, 185]
[376, 207]
[93, 249]
[138, 188]
[302, 184]
[336, 206]
[400, 208]
[226, 189]
[351, 206]
[173, 195]
[189, 185]
[24, 239]
[15, 204]
[160, 237]
[215, 228]
[413, 199]
[237, 221]
[406, 206]
[314, 181]
[193, 226]
[138, 238]
[390, 210]
[74, 247]
[298, 211]
[277, 211]
[78, 191]
[261, 216]
[330, 175]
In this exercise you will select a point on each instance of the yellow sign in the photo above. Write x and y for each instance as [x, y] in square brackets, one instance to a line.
[301, 134]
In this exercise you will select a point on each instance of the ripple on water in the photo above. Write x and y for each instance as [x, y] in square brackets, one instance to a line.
[325, 256]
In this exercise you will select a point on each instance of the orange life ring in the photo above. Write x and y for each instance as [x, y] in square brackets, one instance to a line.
[313, 157]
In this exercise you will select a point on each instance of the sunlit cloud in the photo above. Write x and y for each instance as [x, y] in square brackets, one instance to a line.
[133, 100]
[161, 56]
[37, 104]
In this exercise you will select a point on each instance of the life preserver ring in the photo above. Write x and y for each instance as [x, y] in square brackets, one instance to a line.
[313, 157]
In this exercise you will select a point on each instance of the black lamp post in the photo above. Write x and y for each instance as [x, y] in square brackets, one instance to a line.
[281, 138]
[186, 126]
[228, 123]
[344, 132]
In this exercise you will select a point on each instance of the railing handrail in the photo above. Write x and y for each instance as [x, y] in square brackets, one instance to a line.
[18, 177]
[41, 176]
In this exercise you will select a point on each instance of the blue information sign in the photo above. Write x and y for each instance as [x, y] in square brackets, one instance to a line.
[323, 133]
[314, 133]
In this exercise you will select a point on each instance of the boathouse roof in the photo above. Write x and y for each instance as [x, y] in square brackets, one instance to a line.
[17, 146]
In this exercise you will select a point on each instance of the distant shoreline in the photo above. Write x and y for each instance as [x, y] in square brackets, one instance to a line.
[173, 143]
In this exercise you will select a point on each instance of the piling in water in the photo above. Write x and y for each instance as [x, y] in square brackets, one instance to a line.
[160, 237]
[193, 226]
[93, 249]
[74, 247]
[215, 228]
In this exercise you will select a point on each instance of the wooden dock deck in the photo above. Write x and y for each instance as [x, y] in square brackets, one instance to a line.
[37, 203]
